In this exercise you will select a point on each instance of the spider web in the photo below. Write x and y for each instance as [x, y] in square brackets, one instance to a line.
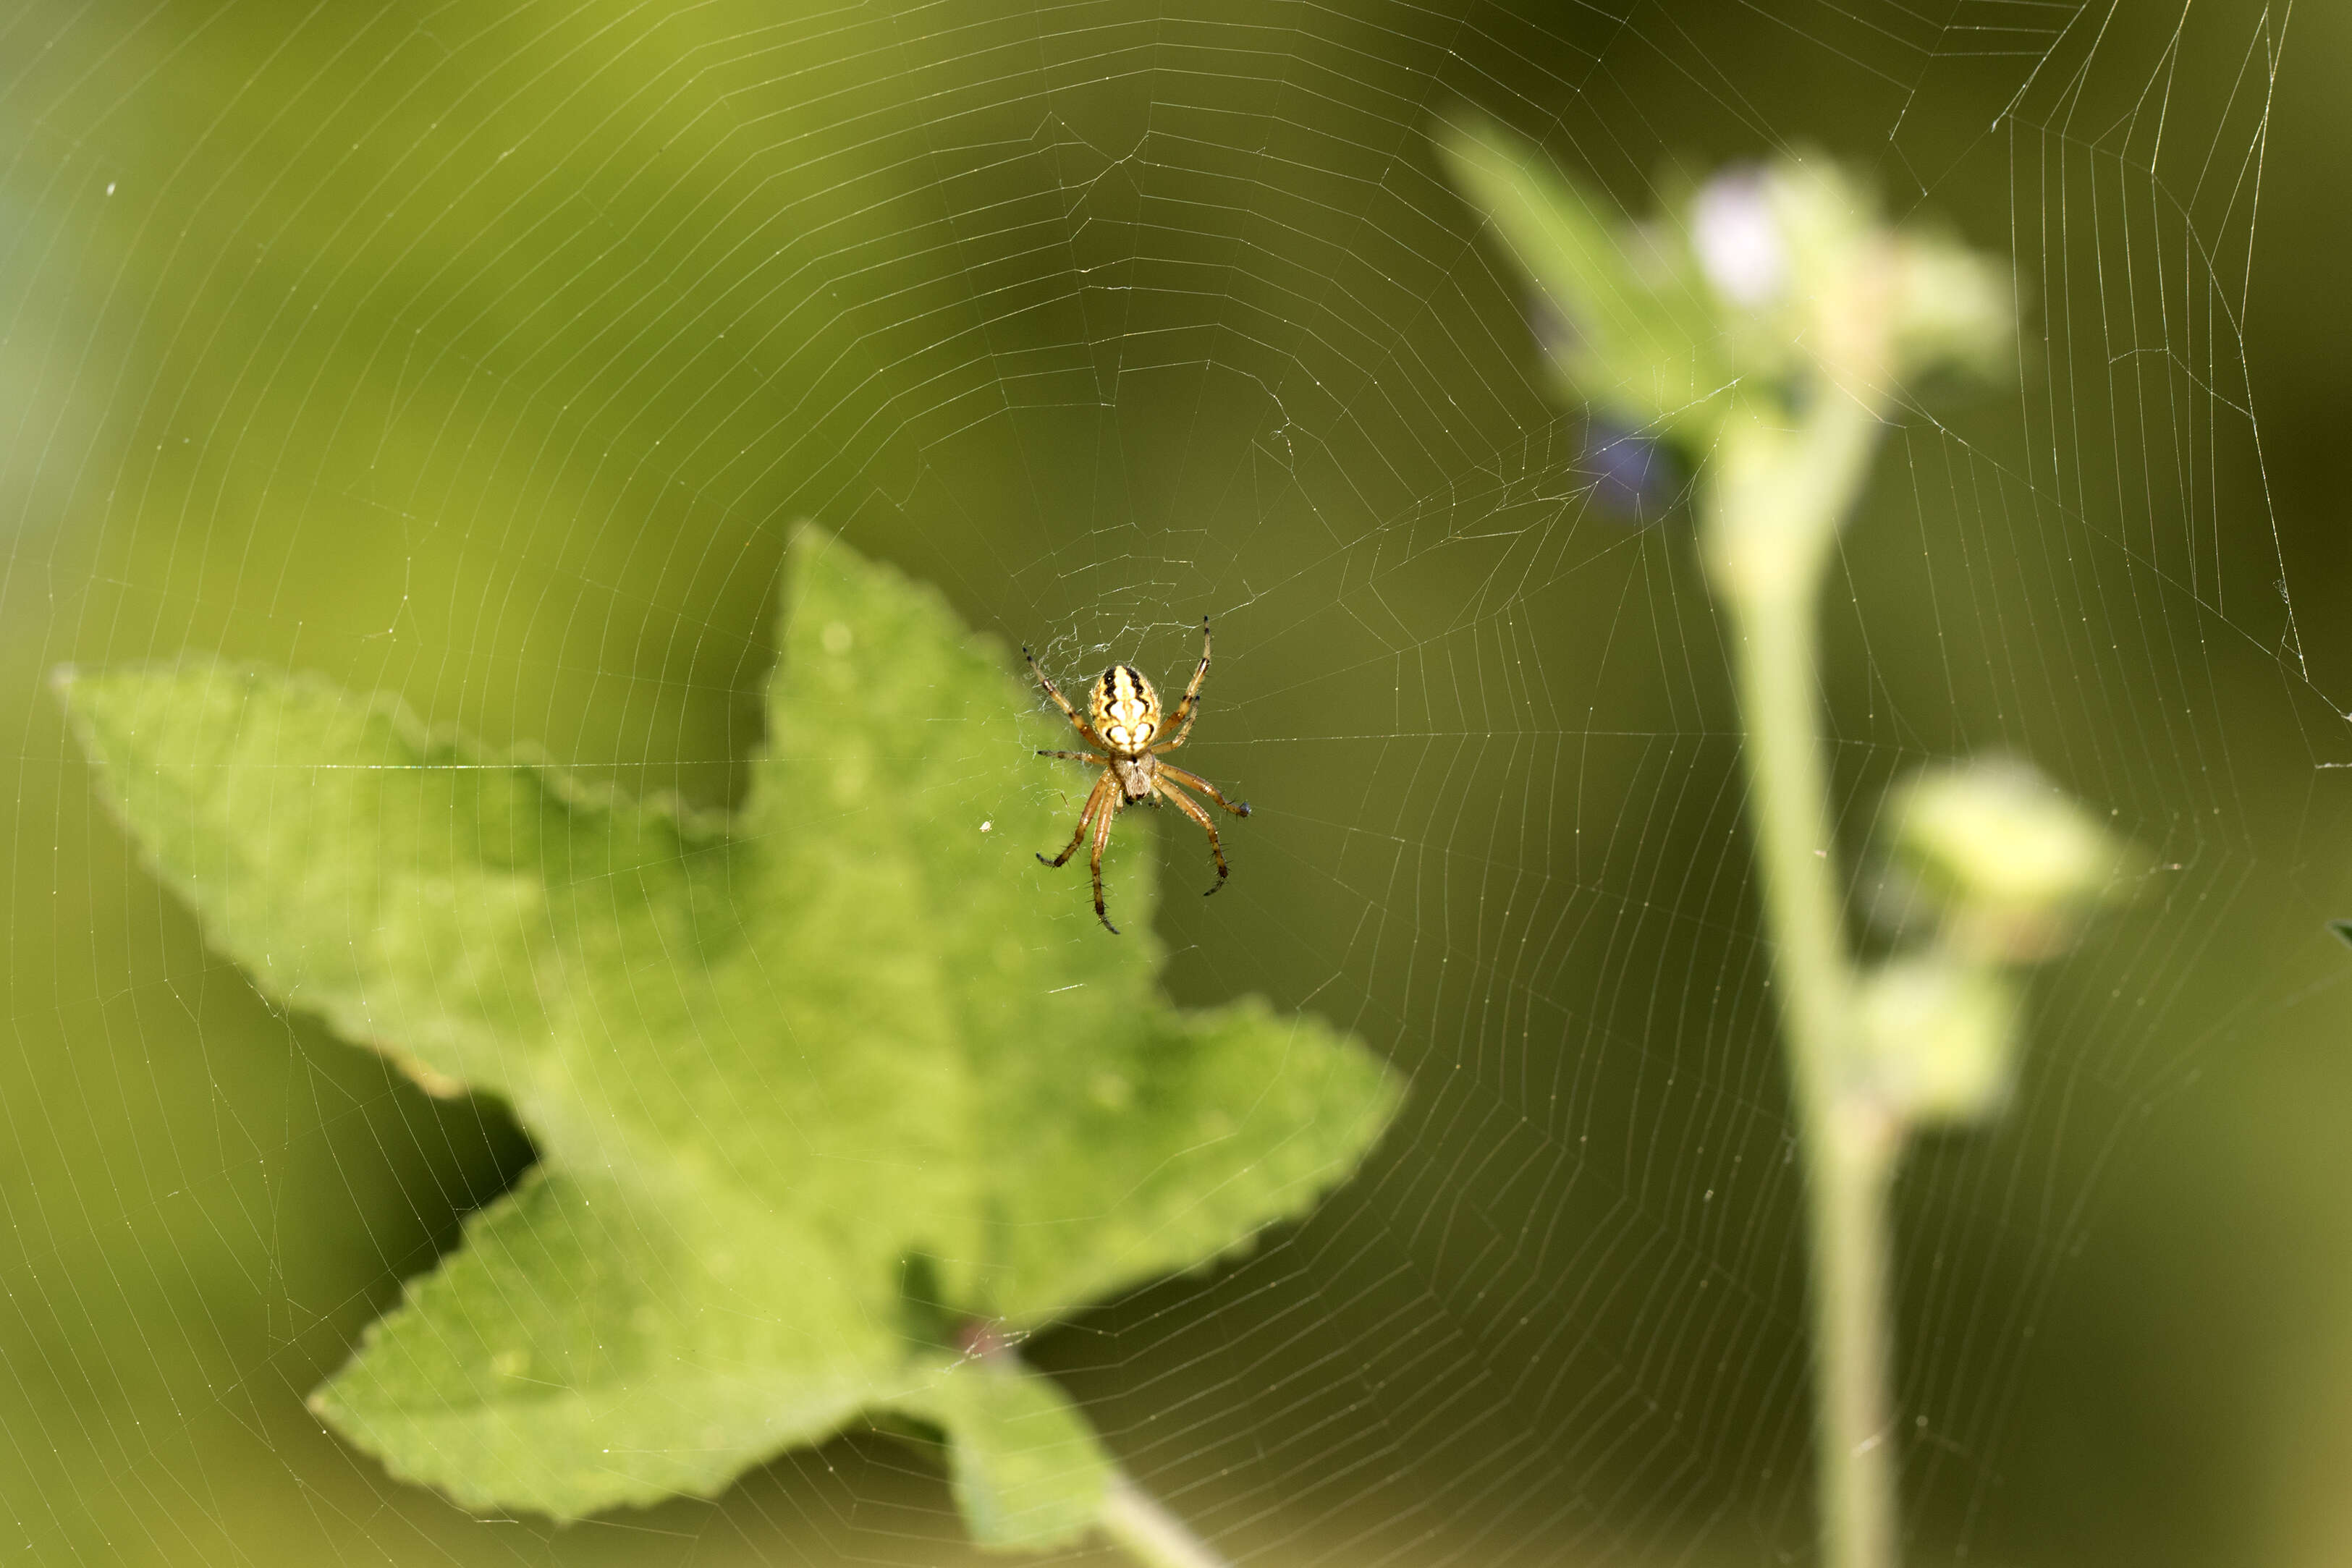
[486, 355]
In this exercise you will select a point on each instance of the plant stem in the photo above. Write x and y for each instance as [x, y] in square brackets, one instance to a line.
[1149, 1532]
[1775, 508]
[1846, 1172]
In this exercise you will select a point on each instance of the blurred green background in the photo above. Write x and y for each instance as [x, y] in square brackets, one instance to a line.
[485, 354]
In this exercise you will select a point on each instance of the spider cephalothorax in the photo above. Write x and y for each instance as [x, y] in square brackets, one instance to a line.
[1123, 726]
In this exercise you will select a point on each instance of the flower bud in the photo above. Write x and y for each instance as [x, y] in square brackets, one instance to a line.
[1938, 1037]
[1951, 309]
[2015, 861]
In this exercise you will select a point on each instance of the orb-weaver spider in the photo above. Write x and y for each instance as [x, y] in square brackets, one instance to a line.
[1125, 735]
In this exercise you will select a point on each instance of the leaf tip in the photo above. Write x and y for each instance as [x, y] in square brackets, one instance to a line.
[808, 537]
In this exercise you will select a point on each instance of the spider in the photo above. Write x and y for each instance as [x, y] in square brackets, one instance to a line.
[1124, 735]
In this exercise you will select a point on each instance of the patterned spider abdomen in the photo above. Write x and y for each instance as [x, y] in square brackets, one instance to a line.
[1125, 709]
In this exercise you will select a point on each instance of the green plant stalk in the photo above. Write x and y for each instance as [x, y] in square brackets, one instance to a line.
[1774, 512]
[1149, 1532]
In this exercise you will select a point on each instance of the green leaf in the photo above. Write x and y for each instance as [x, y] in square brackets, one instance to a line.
[779, 1069]
[1631, 330]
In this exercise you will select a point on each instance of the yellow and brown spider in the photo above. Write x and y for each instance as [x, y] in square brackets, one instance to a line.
[1125, 734]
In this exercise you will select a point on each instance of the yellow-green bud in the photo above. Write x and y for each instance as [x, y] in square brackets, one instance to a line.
[1951, 309]
[2014, 859]
[1938, 1036]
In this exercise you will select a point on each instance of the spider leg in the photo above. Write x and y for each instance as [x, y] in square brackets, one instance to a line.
[1085, 820]
[1086, 730]
[1190, 707]
[1102, 836]
[1204, 787]
[1094, 756]
[1198, 813]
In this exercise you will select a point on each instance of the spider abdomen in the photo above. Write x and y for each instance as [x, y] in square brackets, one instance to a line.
[1125, 709]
